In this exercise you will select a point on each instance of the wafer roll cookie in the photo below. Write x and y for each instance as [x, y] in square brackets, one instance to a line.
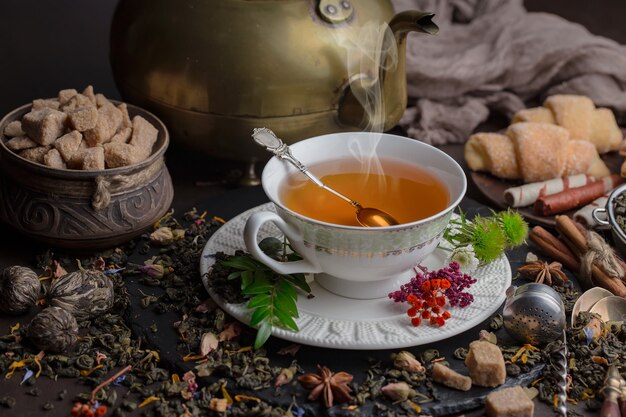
[535, 115]
[527, 194]
[584, 217]
[573, 113]
[540, 149]
[492, 152]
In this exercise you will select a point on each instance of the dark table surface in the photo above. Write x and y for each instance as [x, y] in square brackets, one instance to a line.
[47, 46]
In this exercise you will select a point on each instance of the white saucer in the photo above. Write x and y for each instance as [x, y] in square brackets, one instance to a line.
[332, 321]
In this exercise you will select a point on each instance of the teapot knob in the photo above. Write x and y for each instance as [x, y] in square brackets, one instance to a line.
[335, 11]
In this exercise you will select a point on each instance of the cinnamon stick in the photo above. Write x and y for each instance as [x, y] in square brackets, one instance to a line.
[574, 237]
[584, 230]
[554, 248]
[567, 228]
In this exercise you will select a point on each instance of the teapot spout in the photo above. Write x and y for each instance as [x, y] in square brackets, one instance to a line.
[413, 21]
[389, 78]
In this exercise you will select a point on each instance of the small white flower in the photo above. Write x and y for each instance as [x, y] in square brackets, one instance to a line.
[466, 258]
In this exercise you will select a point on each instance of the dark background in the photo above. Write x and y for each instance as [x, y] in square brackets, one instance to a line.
[50, 45]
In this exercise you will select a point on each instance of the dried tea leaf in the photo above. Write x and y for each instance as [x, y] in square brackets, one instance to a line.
[290, 350]
[208, 343]
[231, 330]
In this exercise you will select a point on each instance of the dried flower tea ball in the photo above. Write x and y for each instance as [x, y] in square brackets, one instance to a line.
[53, 330]
[84, 293]
[19, 289]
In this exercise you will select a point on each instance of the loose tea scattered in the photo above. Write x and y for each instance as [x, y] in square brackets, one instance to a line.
[620, 211]
[19, 289]
[53, 330]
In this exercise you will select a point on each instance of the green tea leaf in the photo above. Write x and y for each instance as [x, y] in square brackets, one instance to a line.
[247, 278]
[260, 284]
[264, 332]
[243, 262]
[260, 300]
[260, 314]
[286, 289]
[286, 304]
[234, 275]
[286, 320]
[299, 281]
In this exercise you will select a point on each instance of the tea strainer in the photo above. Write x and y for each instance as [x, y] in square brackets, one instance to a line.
[534, 313]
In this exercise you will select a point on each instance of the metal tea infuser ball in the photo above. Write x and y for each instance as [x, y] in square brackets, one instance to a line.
[534, 313]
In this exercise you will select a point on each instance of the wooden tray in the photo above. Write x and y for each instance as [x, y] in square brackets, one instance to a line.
[493, 189]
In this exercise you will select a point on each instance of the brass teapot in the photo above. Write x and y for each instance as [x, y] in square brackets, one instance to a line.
[215, 69]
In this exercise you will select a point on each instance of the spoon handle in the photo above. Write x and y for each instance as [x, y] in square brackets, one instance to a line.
[265, 137]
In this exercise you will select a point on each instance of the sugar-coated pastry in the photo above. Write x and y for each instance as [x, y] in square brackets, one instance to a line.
[492, 152]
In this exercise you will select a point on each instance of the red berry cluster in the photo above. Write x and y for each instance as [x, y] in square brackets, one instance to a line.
[84, 410]
[429, 305]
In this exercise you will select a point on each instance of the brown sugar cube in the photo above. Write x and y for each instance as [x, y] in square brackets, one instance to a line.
[88, 159]
[19, 143]
[122, 136]
[144, 136]
[83, 118]
[125, 116]
[14, 129]
[53, 159]
[101, 100]
[451, 378]
[109, 119]
[98, 134]
[45, 104]
[120, 154]
[44, 126]
[68, 144]
[486, 364]
[83, 145]
[66, 95]
[76, 102]
[509, 402]
[113, 115]
[88, 92]
[35, 154]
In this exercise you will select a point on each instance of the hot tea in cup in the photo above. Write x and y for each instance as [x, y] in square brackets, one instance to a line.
[416, 183]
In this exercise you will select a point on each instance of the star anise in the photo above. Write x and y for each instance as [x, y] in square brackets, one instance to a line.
[543, 272]
[333, 387]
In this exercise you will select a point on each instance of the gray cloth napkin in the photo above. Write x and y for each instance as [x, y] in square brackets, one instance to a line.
[493, 55]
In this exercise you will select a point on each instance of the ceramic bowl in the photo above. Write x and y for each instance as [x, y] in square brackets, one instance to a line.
[54, 205]
[607, 217]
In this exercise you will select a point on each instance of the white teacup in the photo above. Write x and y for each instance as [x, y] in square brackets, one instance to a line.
[351, 261]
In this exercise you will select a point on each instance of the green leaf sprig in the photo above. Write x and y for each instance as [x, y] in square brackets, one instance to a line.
[271, 297]
[490, 235]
